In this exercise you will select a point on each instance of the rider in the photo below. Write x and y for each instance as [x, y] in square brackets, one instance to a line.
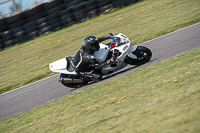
[85, 59]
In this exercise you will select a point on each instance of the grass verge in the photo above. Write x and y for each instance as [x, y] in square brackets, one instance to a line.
[142, 101]
[28, 62]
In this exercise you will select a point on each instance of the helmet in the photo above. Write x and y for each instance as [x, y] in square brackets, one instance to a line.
[91, 43]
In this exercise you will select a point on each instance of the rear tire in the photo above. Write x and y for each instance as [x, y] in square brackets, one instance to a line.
[143, 54]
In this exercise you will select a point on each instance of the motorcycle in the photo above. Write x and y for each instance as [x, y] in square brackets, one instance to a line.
[120, 45]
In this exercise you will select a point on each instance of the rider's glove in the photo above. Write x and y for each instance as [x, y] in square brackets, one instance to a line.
[110, 34]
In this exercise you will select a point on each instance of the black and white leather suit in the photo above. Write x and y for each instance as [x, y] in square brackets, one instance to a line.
[84, 59]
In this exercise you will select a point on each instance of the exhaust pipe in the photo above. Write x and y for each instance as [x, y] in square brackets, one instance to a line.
[69, 80]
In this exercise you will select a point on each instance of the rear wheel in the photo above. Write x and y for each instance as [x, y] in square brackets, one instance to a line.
[143, 54]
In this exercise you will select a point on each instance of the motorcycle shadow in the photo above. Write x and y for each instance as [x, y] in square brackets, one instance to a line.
[124, 71]
[104, 79]
[112, 76]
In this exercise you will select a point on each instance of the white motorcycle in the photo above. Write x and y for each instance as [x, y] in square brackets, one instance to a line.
[119, 45]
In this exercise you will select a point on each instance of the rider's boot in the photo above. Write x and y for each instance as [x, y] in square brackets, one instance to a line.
[96, 76]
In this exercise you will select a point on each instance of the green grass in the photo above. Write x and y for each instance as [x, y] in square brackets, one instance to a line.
[28, 62]
[142, 101]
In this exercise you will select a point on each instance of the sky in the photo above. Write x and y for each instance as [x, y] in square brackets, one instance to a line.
[25, 4]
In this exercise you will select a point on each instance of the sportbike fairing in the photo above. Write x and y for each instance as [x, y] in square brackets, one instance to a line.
[122, 44]
[120, 48]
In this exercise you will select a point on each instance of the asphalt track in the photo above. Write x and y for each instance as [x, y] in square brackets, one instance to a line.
[41, 92]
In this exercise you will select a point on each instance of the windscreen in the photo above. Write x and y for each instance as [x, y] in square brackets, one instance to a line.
[118, 41]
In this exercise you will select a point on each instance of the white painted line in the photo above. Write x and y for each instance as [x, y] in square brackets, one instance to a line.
[140, 44]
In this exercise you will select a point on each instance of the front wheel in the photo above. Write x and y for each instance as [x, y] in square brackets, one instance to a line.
[143, 54]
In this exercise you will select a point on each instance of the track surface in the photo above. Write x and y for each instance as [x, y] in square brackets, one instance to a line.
[41, 92]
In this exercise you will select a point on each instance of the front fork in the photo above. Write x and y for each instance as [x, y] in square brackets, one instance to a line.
[115, 54]
[132, 49]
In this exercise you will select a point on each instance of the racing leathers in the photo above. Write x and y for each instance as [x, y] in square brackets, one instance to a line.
[85, 59]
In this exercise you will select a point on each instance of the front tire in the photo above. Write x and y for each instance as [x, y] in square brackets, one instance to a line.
[143, 54]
